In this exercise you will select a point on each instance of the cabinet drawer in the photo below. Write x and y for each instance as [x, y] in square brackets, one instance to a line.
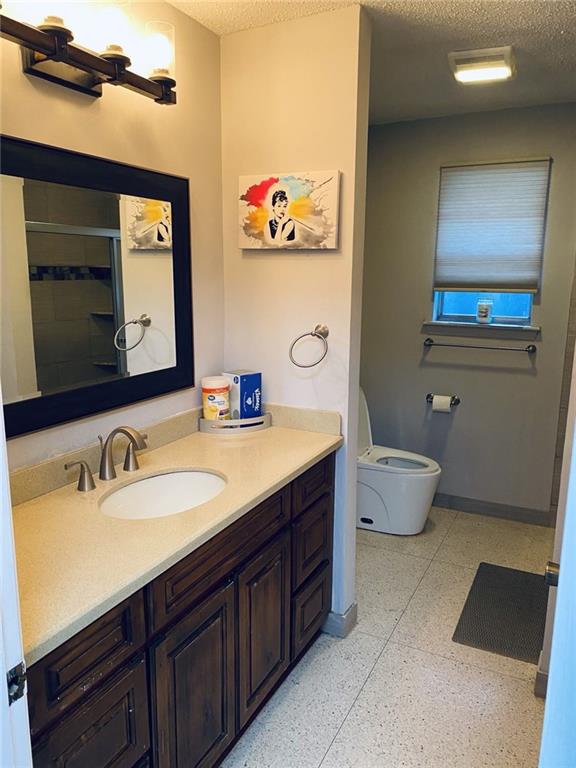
[310, 608]
[71, 671]
[311, 540]
[314, 483]
[110, 729]
[176, 590]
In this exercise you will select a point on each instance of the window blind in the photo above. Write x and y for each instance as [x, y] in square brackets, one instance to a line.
[491, 222]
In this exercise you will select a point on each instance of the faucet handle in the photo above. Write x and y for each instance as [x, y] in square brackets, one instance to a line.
[130, 460]
[101, 441]
[85, 481]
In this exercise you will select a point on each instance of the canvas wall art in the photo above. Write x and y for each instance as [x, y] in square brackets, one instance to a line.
[149, 224]
[291, 210]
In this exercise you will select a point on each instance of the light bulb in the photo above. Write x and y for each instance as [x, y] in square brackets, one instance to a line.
[159, 49]
[483, 74]
[99, 25]
[159, 53]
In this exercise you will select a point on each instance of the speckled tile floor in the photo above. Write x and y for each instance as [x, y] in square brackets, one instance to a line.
[397, 692]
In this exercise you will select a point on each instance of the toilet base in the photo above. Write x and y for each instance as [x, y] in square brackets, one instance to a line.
[394, 504]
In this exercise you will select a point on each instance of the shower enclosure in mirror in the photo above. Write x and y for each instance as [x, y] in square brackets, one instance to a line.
[94, 285]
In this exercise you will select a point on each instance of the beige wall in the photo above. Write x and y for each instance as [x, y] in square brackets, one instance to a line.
[294, 98]
[182, 139]
[498, 445]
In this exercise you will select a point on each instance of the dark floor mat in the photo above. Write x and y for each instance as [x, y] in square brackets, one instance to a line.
[505, 613]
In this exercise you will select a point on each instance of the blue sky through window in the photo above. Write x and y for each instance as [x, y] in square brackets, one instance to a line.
[461, 306]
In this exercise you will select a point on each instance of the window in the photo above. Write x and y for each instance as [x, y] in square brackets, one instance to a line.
[462, 307]
[490, 241]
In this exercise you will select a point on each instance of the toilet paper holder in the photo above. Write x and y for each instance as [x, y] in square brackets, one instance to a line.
[454, 400]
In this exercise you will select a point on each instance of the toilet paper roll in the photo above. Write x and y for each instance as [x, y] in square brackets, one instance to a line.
[441, 403]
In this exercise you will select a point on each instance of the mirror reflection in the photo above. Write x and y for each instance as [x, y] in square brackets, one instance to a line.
[86, 287]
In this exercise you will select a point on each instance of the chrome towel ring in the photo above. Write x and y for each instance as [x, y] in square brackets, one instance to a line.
[320, 332]
[143, 321]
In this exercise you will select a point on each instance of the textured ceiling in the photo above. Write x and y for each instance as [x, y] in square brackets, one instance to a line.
[411, 39]
[226, 16]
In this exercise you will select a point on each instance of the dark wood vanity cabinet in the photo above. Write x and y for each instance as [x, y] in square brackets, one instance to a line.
[171, 677]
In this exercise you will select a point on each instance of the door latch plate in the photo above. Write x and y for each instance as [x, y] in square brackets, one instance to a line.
[551, 574]
[16, 680]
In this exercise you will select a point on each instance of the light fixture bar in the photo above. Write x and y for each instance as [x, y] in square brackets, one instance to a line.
[49, 48]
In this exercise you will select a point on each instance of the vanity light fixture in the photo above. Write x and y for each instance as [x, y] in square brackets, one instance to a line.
[487, 65]
[48, 52]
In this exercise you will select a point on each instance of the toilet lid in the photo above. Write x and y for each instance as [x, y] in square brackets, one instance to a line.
[364, 431]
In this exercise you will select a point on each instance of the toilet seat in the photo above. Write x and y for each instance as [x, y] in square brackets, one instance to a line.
[383, 459]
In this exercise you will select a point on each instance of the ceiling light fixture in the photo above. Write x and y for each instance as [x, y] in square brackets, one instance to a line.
[487, 65]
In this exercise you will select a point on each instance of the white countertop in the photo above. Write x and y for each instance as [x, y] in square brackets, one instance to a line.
[75, 563]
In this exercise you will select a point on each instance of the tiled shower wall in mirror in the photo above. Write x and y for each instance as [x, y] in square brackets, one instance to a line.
[70, 242]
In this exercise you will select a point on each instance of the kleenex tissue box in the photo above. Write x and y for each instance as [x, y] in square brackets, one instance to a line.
[245, 394]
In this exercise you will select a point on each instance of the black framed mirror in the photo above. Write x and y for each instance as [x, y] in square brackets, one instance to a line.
[95, 285]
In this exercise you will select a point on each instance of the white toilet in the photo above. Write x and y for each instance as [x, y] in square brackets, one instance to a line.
[395, 488]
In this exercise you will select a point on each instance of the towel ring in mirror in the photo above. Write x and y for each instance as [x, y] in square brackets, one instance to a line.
[143, 321]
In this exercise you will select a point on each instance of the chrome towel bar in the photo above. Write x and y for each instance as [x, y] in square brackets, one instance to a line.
[530, 349]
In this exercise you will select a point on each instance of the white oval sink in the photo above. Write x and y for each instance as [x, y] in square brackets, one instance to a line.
[162, 495]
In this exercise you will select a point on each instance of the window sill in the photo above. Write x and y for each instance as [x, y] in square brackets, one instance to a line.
[492, 330]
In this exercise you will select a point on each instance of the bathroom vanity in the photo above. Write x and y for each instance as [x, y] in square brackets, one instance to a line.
[171, 674]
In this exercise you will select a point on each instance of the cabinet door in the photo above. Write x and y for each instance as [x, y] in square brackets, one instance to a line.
[110, 729]
[264, 624]
[312, 540]
[194, 683]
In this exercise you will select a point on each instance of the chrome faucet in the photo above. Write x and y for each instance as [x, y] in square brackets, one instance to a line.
[137, 442]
